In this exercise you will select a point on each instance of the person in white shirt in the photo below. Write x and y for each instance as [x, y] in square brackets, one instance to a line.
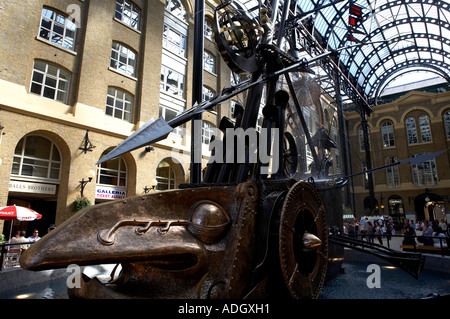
[35, 237]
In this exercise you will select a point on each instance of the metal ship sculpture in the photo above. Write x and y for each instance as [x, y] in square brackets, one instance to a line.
[238, 233]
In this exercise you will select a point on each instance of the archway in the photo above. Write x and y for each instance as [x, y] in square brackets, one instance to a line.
[38, 179]
[169, 174]
[396, 209]
[425, 204]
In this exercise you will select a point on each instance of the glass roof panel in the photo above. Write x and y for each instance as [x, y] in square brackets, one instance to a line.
[412, 31]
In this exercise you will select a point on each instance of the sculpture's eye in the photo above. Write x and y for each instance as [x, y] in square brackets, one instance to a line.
[208, 221]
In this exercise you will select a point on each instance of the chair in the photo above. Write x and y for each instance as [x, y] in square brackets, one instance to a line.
[12, 258]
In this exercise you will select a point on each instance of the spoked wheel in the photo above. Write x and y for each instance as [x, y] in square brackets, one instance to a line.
[290, 155]
[303, 244]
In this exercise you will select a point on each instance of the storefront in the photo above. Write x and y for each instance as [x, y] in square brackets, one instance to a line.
[34, 182]
[397, 210]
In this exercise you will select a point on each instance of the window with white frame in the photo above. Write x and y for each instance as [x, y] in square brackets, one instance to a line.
[361, 138]
[128, 13]
[50, 81]
[425, 129]
[119, 104]
[207, 93]
[170, 112]
[207, 132]
[447, 123]
[365, 175]
[176, 8]
[209, 62]
[392, 173]
[411, 131]
[57, 28]
[165, 176]
[174, 40]
[172, 82]
[425, 173]
[113, 172]
[123, 59]
[387, 134]
[36, 157]
[208, 30]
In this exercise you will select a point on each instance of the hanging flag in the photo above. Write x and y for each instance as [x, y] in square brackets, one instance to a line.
[354, 22]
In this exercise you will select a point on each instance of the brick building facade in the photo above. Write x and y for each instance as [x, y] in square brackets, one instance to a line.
[416, 123]
[72, 69]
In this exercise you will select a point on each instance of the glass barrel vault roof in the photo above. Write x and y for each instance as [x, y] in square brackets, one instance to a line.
[395, 37]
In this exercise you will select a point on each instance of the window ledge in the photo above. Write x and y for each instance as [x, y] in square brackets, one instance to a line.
[126, 25]
[213, 74]
[420, 143]
[40, 39]
[125, 75]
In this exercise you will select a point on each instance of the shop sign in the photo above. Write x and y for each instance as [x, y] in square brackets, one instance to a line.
[108, 192]
[36, 188]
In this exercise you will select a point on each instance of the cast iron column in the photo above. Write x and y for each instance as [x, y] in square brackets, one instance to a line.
[197, 88]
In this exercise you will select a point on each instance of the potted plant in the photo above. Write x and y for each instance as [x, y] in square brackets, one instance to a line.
[80, 203]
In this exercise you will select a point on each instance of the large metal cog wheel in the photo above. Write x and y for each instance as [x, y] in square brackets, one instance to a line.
[303, 244]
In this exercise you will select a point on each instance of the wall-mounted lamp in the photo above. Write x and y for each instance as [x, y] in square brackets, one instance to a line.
[148, 149]
[153, 186]
[83, 182]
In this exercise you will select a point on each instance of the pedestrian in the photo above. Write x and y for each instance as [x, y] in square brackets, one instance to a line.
[427, 234]
[363, 228]
[22, 239]
[351, 230]
[35, 237]
[370, 231]
[443, 225]
[379, 232]
[408, 233]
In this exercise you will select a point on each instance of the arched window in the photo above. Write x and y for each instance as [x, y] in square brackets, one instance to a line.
[165, 176]
[119, 104]
[176, 8]
[208, 31]
[36, 157]
[50, 81]
[123, 59]
[411, 131]
[57, 28]
[113, 172]
[447, 123]
[387, 134]
[425, 129]
[128, 13]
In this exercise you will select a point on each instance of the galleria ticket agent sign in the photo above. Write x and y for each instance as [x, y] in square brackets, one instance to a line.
[110, 192]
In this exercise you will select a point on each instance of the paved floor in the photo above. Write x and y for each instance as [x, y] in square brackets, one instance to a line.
[359, 280]
[394, 283]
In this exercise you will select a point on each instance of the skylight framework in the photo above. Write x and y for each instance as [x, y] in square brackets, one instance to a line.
[392, 38]
[395, 36]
